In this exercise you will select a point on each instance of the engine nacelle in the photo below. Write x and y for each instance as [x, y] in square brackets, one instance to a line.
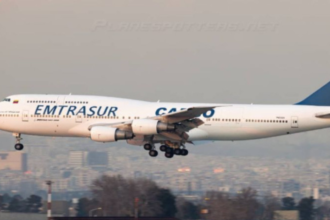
[150, 126]
[109, 134]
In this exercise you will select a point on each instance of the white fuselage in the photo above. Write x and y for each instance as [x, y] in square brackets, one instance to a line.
[71, 116]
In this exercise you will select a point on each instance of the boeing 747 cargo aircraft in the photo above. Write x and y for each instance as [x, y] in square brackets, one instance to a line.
[172, 125]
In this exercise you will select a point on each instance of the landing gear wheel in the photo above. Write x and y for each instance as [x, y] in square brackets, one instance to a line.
[19, 146]
[184, 152]
[153, 153]
[178, 152]
[147, 147]
[163, 148]
[169, 150]
[168, 155]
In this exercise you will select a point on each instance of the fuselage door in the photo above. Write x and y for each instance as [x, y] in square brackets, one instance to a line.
[60, 100]
[79, 118]
[294, 122]
[25, 116]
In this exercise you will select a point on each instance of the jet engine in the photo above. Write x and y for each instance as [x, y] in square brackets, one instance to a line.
[150, 126]
[109, 134]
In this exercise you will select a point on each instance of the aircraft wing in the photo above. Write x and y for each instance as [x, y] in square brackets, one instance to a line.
[186, 117]
[185, 120]
[323, 115]
[183, 115]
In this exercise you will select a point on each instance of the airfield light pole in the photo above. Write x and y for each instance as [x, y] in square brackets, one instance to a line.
[49, 206]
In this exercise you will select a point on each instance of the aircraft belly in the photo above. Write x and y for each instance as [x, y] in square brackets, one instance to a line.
[80, 130]
[223, 133]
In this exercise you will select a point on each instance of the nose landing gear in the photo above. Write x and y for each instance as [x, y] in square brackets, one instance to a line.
[18, 145]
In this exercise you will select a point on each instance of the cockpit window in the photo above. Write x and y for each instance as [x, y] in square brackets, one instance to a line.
[6, 100]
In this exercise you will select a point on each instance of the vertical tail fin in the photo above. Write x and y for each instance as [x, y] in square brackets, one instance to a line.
[320, 98]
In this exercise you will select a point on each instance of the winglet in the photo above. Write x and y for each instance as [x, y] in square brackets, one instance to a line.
[320, 98]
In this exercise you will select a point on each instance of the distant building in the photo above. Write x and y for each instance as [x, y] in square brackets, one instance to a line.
[13, 160]
[196, 185]
[307, 192]
[316, 193]
[97, 159]
[84, 177]
[60, 185]
[78, 159]
[291, 186]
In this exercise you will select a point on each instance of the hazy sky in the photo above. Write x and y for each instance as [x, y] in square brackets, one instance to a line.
[221, 51]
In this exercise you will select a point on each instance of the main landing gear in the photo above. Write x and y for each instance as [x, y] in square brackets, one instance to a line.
[18, 145]
[169, 151]
[151, 149]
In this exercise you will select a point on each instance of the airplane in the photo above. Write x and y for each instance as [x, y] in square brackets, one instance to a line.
[172, 125]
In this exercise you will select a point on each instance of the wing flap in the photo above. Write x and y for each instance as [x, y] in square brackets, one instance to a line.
[185, 114]
[175, 136]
